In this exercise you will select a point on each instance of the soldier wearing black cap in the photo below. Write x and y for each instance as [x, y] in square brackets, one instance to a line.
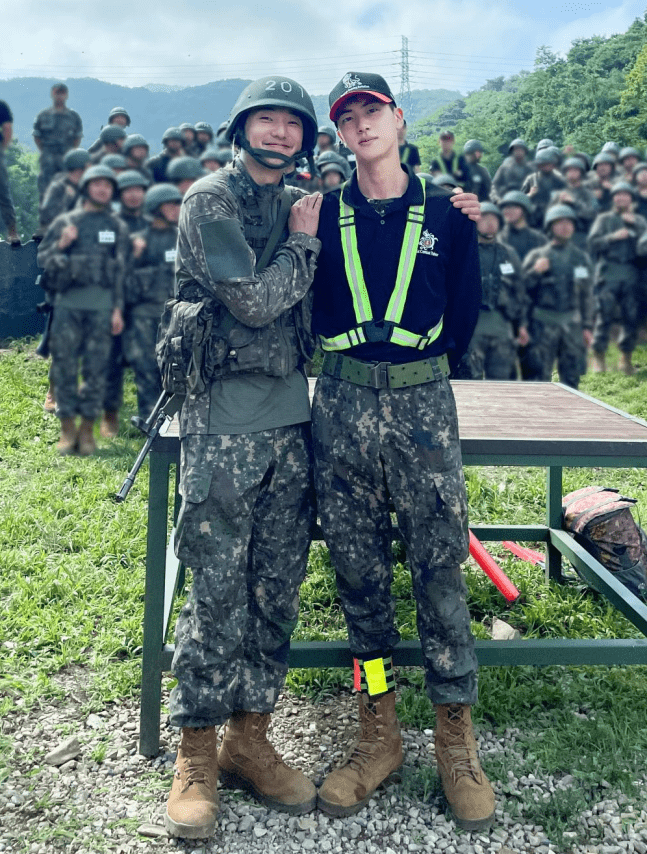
[397, 295]
[56, 130]
[7, 211]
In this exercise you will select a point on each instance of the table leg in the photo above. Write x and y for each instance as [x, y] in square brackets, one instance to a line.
[553, 520]
[151, 692]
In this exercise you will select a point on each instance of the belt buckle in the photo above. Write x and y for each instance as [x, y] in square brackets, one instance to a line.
[379, 375]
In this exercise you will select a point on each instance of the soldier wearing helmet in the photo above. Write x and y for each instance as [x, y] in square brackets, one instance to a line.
[188, 132]
[542, 183]
[512, 172]
[481, 180]
[615, 243]
[63, 191]
[131, 187]
[203, 137]
[558, 281]
[136, 150]
[246, 253]
[214, 158]
[84, 254]
[183, 172]
[579, 197]
[601, 178]
[173, 142]
[149, 284]
[111, 140]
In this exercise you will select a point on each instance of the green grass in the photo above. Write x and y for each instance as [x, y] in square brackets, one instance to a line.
[72, 581]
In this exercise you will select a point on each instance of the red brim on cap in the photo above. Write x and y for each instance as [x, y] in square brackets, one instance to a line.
[339, 103]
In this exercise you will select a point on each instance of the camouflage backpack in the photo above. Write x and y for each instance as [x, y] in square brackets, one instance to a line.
[601, 521]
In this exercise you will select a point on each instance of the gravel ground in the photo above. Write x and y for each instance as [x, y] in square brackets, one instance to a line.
[109, 798]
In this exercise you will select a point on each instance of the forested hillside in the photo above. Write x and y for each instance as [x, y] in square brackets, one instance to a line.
[597, 92]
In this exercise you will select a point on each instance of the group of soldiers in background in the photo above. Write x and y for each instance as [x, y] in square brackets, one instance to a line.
[562, 241]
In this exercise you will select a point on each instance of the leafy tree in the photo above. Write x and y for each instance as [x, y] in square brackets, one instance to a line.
[22, 166]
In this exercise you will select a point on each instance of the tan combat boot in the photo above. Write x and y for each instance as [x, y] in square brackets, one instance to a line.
[624, 364]
[193, 803]
[86, 444]
[598, 363]
[248, 761]
[109, 426]
[49, 405]
[466, 787]
[67, 442]
[376, 758]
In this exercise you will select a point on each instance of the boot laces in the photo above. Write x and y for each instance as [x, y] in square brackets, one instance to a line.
[462, 757]
[267, 753]
[364, 751]
[196, 750]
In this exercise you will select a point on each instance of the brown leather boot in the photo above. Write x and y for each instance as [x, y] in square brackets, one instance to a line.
[193, 803]
[109, 426]
[466, 787]
[86, 444]
[49, 405]
[67, 442]
[248, 761]
[598, 363]
[624, 364]
[375, 759]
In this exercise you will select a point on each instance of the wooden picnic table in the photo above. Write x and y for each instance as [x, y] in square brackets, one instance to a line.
[501, 424]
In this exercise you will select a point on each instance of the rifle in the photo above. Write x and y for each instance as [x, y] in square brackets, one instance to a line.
[162, 414]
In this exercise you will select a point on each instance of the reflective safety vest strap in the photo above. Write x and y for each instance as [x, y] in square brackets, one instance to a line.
[389, 329]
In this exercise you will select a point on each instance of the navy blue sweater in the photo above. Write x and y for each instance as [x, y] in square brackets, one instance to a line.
[446, 276]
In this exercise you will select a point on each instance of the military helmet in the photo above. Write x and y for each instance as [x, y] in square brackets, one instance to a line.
[490, 208]
[340, 166]
[96, 172]
[114, 161]
[172, 133]
[160, 194]
[132, 141]
[187, 126]
[184, 168]
[546, 155]
[574, 163]
[132, 178]
[276, 91]
[638, 168]
[221, 155]
[112, 133]
[222, 127]
[118, 111]
[623, 187]
[203, 127]
[329, 157]
[328, 131]
[629, 151]
[445, 180]
[604, 157]
[544, 143]
[515, 143]
[516, 197]
[76, 158]
[558, 212]
[473, 145]
[612, 147]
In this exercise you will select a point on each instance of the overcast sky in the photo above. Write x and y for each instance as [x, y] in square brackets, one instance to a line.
[453, 44]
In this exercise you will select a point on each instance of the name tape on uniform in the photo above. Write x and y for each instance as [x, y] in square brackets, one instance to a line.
[170, 255]
[506, 269]
[107, 237]
[581, 273]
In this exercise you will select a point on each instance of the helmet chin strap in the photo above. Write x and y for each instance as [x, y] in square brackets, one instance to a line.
[263, 156]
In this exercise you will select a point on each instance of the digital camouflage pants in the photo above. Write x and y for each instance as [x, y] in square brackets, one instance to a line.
[560, 343]
[139, 339]
[244, 529]
[616, 301]
[80, 338]
[371, 446]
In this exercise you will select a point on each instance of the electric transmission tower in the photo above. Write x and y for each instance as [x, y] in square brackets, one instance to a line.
[405, 87]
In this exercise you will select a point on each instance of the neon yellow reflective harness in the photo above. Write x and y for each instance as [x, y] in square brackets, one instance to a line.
[389, 329]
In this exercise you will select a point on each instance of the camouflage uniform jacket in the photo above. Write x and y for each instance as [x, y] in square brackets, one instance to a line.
[60, 197]
[97, 258]
[261, 323]
[546, 184]
[584, 204]
[151, 279]
[615, 259]
[566, 285]
[523, 239]
[57, 130]
[502, 282]
[509, 176]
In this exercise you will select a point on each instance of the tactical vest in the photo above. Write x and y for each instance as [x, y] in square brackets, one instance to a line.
[92, 256]
[152, 279]
[560, 286]
[278, 348]
[495, 272]
[388, 328]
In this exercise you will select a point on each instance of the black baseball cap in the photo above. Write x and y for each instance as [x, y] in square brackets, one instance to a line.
[358, 83]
